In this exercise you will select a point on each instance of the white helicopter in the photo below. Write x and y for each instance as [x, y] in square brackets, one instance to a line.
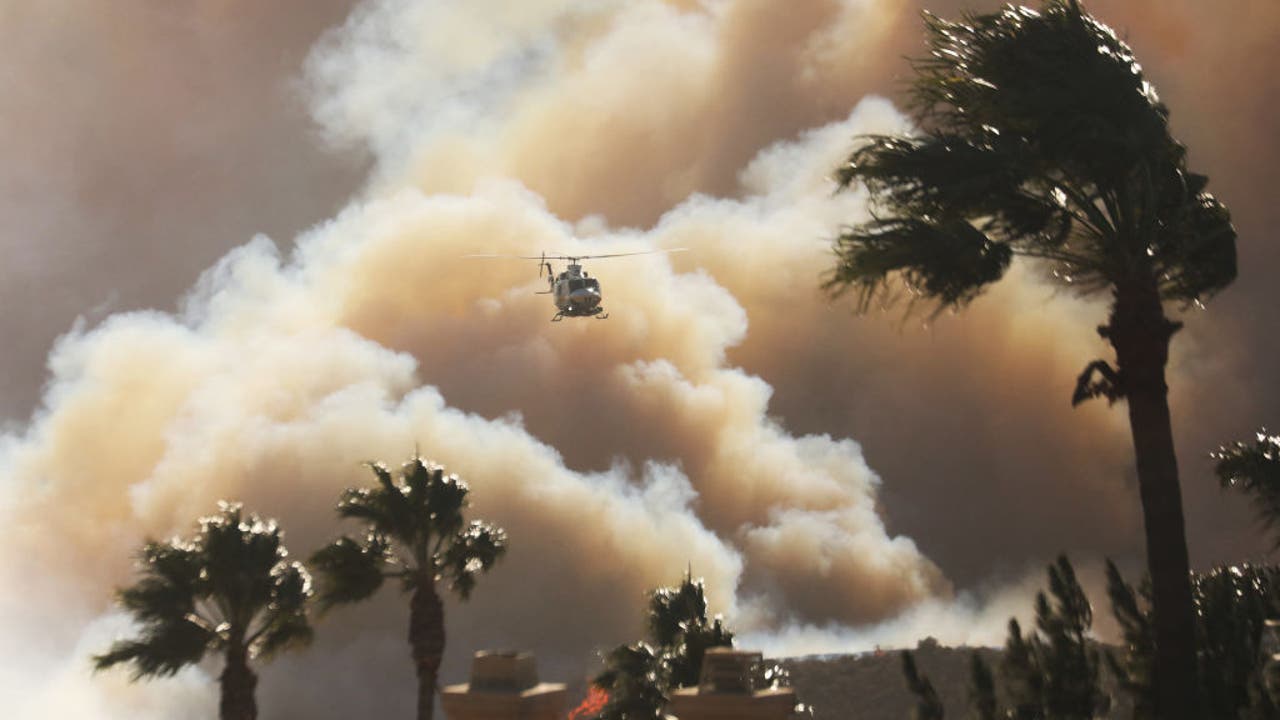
[575, 292]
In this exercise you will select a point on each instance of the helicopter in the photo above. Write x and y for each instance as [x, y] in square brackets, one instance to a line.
[575, 292]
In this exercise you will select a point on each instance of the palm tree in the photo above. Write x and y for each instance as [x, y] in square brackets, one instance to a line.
[1254, 469]
[231, 589]
[415, 532]
[1039, 137]
[637, 677]
[680, 629]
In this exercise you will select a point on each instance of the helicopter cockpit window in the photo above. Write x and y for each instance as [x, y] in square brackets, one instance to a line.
[575, 285]
[592, 284]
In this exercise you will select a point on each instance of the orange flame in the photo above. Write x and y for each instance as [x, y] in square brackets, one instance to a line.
[595, 701]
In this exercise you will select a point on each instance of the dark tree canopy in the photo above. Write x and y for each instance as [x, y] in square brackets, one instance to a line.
[233, 582]
[1053, 672]
[230, 590]
[639, 676]
[415, 532]
[680, 629]
[1038, 136]
[1232, 604]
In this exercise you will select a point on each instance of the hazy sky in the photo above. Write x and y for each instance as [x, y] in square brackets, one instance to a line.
[837, 479]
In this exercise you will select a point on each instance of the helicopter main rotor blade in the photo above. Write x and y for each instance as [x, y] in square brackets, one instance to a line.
[580, 257]
[642, 252]
[613, 255]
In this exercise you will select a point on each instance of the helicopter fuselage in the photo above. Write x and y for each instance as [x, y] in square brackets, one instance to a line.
[576, 294]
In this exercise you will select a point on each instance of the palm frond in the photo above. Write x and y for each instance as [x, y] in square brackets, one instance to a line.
[444, 502]
[348, 570]
[162, 650]
[1254, 469]
[634, 677]
[1194, 248]
[1039, 130]
[949, 263]
[169, 585]
[471, 552]
[283, 623]
[384, 506]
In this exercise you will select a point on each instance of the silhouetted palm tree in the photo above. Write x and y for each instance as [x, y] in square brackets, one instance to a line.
[1255, 470]
[1039, 137]
[415, 532]
[682, 632]
[638, 677]
[231, 589]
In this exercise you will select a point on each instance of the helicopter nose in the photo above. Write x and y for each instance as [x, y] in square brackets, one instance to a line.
[585, 298]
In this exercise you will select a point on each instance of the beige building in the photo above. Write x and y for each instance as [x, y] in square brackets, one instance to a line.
[504, 686]
[725, 692]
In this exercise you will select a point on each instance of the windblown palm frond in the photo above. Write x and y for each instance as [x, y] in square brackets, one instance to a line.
[1038, 136]
[350, 571]
[233, 580]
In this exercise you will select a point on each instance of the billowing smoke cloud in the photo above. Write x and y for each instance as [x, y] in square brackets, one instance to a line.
[281, 375]
[710, 422]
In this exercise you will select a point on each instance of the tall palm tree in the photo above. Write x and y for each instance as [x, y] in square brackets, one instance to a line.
[231, 589]
[1039, 137]
[1255, 470]
[415, 532]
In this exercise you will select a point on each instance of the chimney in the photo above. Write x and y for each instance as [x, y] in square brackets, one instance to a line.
[504, 686]
[725, 691]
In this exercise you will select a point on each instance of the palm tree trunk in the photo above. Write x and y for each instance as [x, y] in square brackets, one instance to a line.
[237, 686]
[426, 639]
[1140, 334]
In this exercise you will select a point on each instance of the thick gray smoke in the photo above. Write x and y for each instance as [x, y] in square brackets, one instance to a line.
[710, 422]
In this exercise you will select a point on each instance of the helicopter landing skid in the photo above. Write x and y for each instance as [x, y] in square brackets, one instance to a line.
[599, 314]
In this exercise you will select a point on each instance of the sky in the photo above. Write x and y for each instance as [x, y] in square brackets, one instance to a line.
[235, 236]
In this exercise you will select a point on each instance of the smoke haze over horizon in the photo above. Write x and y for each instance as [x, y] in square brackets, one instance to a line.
[838, 481]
